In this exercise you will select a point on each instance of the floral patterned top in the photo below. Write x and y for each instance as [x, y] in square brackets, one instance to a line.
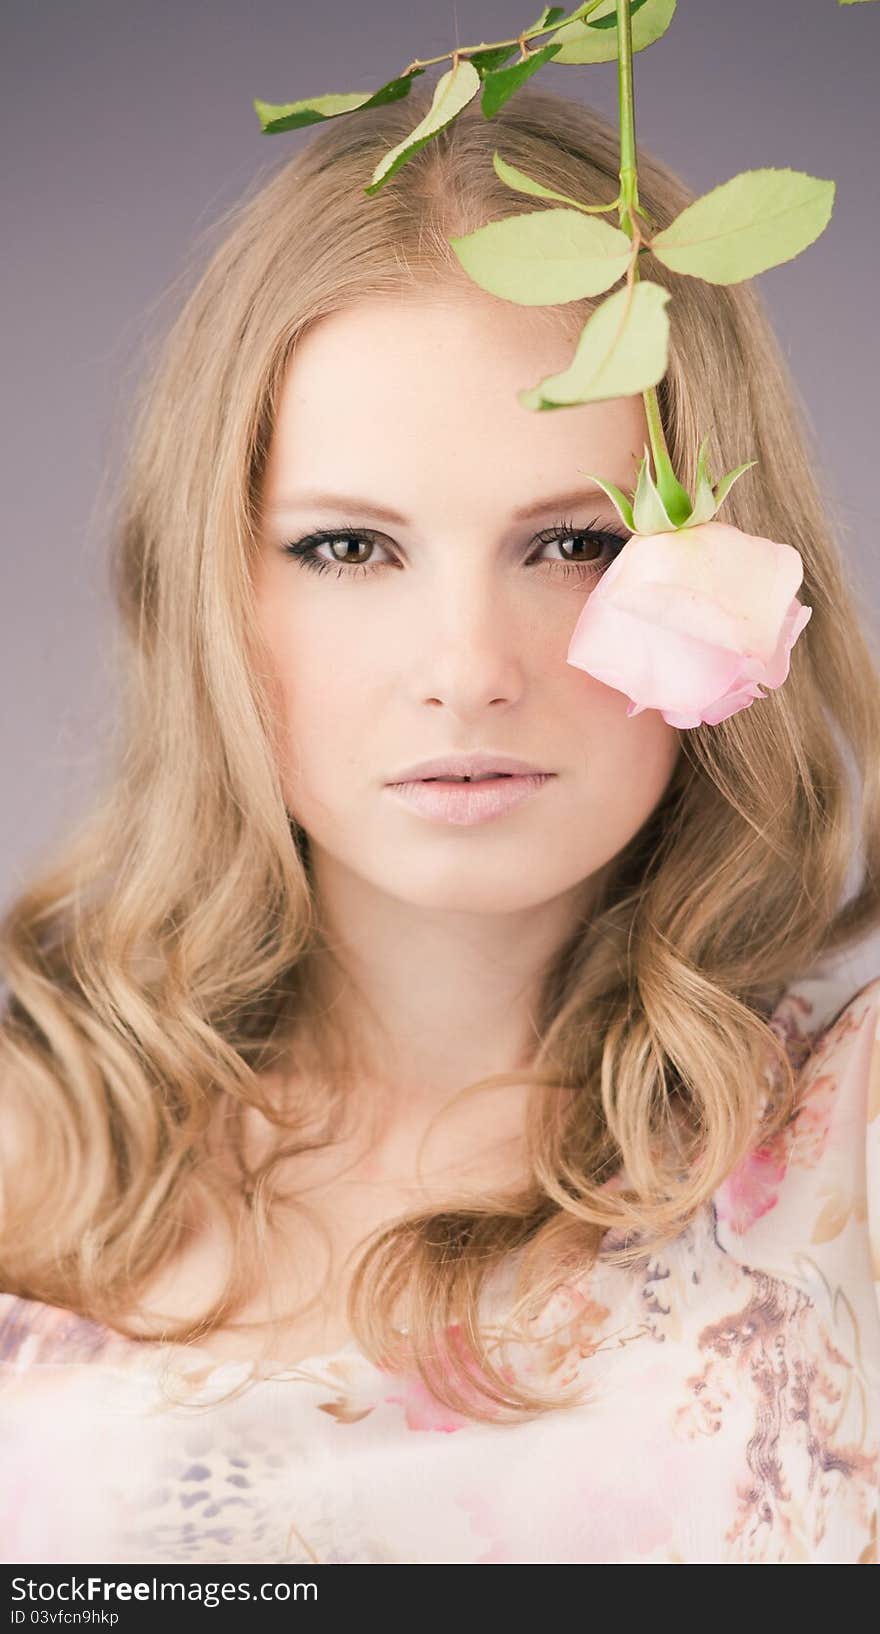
[733, 1412]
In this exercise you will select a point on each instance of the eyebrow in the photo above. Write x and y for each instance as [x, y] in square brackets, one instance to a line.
[352, 502]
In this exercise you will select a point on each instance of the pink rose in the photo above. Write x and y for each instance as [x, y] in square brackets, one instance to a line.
[693, 622]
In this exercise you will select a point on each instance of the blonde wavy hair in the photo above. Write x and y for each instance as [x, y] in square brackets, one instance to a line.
[166, 959]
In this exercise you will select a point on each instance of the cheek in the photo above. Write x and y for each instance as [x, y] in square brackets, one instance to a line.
[329, 691]
[622, 763]
[623, 735]
[635, 760]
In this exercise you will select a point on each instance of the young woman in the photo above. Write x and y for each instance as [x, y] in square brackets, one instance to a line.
[400, 1169]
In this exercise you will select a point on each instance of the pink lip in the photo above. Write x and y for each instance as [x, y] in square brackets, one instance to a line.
[467, 803]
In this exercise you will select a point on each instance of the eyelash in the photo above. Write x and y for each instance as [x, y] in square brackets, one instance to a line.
[304, 550]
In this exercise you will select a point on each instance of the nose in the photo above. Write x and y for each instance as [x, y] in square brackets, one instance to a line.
[469, 649]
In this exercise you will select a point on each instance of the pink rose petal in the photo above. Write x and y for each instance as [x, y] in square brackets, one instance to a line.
[694, 623]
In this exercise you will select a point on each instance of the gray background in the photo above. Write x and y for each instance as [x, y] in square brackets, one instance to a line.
[128, 127]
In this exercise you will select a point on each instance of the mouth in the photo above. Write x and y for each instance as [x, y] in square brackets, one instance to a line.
[465, 800]
[474, 766]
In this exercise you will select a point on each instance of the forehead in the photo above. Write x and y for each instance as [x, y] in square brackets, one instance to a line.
[396, 397]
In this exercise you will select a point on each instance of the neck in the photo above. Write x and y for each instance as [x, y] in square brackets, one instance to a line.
[436, 1000]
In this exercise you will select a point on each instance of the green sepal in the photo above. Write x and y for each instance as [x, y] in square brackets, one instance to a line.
[705, 504]
[618, 499]
[675, 499]
[727, 482]
[649, 512]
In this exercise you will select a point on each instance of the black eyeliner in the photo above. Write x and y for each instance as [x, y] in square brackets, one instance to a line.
[304, 549]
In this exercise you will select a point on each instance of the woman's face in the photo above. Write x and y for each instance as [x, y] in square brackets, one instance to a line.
[454, 639]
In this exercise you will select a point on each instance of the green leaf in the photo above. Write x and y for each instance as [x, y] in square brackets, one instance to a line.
[501, 84]
[754, 221]
[586, 8]
[291, 115]
[486, 61]
[548, 17]
[556, 14]
[622, 350]
[605, 14]
[544, 256]
[596, 40]
[525, 184]
[453, 91]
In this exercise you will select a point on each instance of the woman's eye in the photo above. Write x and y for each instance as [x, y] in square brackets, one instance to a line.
[350, 550]
[348, 561]
[585, 551]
